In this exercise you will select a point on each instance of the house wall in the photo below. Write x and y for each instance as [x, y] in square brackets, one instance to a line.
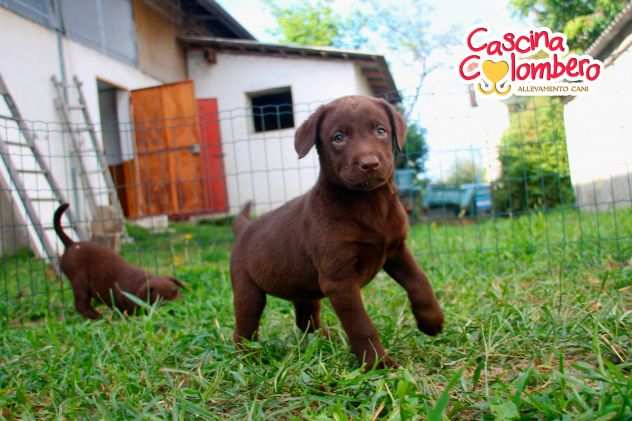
[29, 59]
[159, 53]
[12, 237]
[264, 166]
[598, 131]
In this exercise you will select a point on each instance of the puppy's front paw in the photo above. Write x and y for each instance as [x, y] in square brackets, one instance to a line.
[388, 362]
[430, 321]
[242, 342]
[380, 363]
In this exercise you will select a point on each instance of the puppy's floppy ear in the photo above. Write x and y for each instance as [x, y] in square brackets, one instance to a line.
[307, 135]
[398, 125]
[179, 283]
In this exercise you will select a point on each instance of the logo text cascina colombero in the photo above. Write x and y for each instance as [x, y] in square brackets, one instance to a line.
[537, 62]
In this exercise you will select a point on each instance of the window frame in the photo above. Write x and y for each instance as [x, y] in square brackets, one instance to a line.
[266, 92]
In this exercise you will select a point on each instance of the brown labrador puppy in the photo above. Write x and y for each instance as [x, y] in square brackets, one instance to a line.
[334, 239]
[97, 272]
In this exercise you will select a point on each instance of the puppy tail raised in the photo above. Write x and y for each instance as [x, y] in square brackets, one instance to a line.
[57, 224]
[243, 219]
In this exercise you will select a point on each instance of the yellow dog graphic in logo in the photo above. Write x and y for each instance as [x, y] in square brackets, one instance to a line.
[494, 72]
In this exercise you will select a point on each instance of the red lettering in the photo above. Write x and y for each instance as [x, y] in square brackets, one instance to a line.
[557, 43]
[535, 43]
[494, 48]
[557, 70]
[464, 66]
[553, 67]
[469, 40]
[523, 50]
[571, 64]
[540, 69]
[583, 63]
[522, 71]
[510, 45]
[593, 71]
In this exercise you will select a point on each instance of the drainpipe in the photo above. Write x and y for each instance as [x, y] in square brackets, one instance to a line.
[56, 4]
[58, 27]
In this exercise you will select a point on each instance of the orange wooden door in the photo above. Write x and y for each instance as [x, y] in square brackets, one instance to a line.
[212, 156]
[168, 165]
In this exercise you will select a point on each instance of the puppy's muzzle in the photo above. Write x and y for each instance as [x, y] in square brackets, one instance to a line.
[369, 163]
[367, 173]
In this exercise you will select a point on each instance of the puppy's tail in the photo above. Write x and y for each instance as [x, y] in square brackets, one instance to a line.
[57, 224]
[243, 219]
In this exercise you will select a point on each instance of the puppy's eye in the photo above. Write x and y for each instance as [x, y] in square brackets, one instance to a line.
[381, 131]
[339, 137]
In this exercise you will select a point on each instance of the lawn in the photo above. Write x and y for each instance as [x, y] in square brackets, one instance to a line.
[538, 326]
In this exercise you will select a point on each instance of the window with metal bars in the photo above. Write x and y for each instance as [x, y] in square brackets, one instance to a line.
[272, 109]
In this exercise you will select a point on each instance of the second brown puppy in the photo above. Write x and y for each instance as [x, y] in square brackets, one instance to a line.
[333, 240]
[96, 272]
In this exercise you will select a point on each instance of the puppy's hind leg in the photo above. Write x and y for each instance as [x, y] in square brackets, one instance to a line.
[249, 301]
[308, 316]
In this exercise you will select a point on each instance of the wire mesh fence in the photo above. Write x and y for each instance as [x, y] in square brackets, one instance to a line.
[480, 201]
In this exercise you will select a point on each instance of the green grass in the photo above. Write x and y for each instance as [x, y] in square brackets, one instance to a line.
[538, 326]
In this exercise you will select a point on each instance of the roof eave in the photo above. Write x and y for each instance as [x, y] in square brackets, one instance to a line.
[250, 47]
[610, 33]
[213, 7]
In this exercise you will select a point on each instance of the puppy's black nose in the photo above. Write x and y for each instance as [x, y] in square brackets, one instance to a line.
[369, 163]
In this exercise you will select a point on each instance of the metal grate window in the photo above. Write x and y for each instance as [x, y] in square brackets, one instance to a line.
[272, 110]
[39, 11]
[106, 25]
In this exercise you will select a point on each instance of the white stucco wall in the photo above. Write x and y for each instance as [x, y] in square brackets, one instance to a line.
[264, 166]
[599, 134]
[29, 59]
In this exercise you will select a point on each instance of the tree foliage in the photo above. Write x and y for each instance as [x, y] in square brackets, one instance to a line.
[581, 20]
[399, 27]
[405, 27]
[315, 23]
[415, 152]
[464, 172]
[533, 157]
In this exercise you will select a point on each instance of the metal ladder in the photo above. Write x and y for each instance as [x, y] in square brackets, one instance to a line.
[30, 183]
[83, 154]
